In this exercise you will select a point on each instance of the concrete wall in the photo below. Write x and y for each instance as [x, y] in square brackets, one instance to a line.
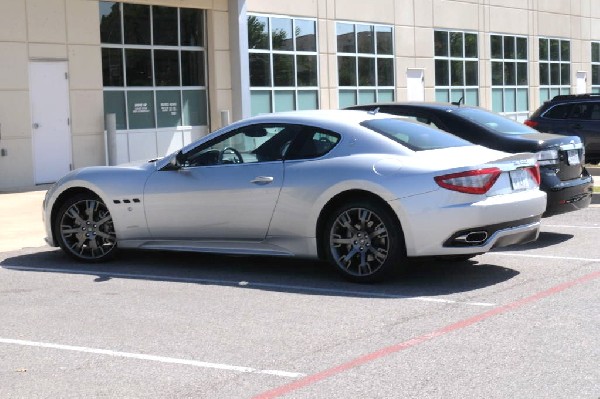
[414, 22]
[69, 30]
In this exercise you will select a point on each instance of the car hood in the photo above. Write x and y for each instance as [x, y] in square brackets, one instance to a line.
[106, 181]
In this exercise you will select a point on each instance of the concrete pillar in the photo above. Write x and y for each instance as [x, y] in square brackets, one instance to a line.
[240, 70]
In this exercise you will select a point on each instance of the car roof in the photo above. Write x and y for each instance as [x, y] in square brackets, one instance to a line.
[566, 98]
[330, 119]
[437, 106]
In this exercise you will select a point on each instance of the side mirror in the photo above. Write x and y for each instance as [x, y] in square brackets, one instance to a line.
[175, 162]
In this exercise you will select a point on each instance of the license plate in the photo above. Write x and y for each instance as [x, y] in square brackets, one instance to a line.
[519, 179]
[573, 157]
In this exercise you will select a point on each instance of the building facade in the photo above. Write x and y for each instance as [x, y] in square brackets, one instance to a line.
[170, 71]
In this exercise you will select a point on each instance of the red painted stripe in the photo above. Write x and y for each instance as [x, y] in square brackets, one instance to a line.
[311, 379]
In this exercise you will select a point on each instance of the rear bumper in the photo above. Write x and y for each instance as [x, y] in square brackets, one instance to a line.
[506, 219]
[568, 196]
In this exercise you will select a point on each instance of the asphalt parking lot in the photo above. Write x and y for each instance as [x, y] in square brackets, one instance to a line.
[517, 322]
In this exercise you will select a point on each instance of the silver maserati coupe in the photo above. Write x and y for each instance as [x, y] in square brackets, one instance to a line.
[361, 190]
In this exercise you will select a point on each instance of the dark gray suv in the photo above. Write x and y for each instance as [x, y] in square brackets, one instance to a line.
[572, 115]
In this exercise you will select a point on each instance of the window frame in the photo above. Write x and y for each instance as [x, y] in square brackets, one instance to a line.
[273, 90]
[357, 89]
[595, 67]
[510, 90]
[450, 92]
[185, 92]
[549, 91]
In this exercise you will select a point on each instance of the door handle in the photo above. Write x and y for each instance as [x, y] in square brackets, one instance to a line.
[36, 125]
[262, 180]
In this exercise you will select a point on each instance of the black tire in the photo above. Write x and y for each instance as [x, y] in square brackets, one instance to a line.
[84, 229]
[364, 241]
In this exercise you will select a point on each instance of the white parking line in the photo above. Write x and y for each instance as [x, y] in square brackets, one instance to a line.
[244, 284]
[153, 358]
[565, 226]
[508, 253]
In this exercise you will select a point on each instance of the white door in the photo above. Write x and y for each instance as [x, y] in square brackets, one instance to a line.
[51, 133]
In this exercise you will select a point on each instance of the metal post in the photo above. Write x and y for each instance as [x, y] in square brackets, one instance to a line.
[110, 123]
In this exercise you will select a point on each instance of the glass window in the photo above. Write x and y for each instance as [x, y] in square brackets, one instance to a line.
[139, 67]
[442, 72]
[385, 72]
[192, 68]
[365, 37]
[555, 67]
[307, 70]
[306, 35]
[263, 143]
[346, 41]
[192, 27]
[140, 109]
[168, 108]
[510, 82]
[283, 61]
[457, 66]
[112, 67]
[258, 33]
[283, 70]
[110, 22]
[595, 67]
[415, 136]
[495, 122]
[281, 34]
[155, 76]
[194, 108]
[347, 71]
[260, 69]
[166, 68]
[114, 103]
[137, 23]
[285, 100]
[164, 21]
[385, 44]
[368, 72]
[441, 43]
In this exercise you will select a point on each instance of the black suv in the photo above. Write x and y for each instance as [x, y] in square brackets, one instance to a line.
[563, 177]
[573, 115]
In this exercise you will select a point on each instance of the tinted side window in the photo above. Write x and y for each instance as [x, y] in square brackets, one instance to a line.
[249, 144]
[595, 114]
[313, 143]
[414, 136]
[561, 111]
[581, 111]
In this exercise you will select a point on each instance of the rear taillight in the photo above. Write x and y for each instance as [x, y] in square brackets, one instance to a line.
[535, 173]
[547, 157]
[531, 123]
[470, 182]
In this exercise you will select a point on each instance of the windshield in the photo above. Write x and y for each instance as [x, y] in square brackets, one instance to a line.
[495, 122]
[415, 136]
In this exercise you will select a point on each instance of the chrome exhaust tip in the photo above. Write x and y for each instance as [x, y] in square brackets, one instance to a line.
[472, 237]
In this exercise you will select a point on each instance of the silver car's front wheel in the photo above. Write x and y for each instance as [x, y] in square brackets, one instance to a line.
[85, 230]
[364, 241]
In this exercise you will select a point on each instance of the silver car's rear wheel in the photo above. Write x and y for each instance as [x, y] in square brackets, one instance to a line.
[85, 230]
[364, 241]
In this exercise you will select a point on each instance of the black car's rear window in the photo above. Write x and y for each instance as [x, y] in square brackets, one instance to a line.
[494, 121]
[415, 136]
